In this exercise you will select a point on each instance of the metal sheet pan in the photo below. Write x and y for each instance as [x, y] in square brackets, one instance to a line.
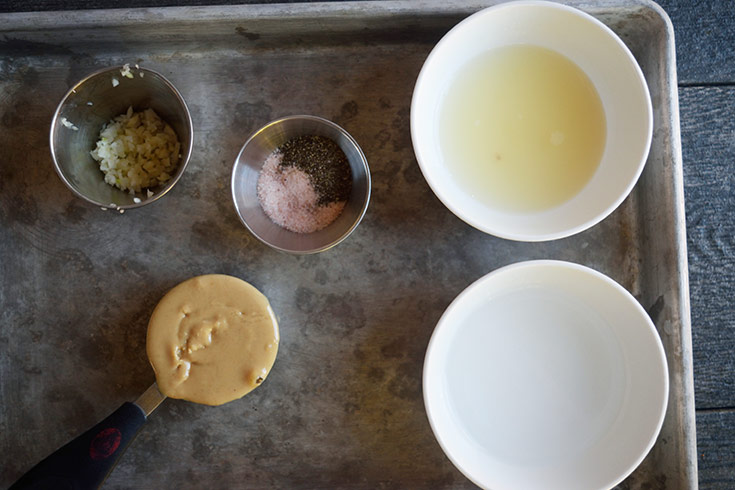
[343, 406]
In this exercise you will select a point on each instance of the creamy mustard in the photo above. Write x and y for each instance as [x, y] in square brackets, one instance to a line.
[212, 339]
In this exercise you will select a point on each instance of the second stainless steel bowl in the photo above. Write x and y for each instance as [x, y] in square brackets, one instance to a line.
[247, 168]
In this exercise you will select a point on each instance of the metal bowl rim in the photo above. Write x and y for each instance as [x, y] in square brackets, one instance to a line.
[184, 159]
[363, 160]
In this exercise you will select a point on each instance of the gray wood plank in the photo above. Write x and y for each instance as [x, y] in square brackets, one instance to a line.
[715, 436]
[705, 36]
[708, 142]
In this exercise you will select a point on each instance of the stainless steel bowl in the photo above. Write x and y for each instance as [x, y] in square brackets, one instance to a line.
[93, 102]
[247, 167]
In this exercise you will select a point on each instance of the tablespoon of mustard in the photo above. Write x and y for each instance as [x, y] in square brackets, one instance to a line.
[85, 462]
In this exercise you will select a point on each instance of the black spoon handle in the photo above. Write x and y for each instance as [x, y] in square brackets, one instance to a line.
[85, 462]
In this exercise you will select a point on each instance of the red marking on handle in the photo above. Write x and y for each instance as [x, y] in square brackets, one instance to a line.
[104, 444]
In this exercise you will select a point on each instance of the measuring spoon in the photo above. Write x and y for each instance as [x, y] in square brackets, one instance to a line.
[85, 462]
[247, 342]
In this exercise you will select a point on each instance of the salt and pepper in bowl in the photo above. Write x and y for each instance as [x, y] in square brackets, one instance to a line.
[305, 184]
[301, 184]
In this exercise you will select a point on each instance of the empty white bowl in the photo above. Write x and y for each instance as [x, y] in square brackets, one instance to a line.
[611, 68]
[545, 375]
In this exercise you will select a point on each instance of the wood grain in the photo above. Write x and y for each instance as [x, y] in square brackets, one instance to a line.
[716, 458]
[708, 147]
[705, 35]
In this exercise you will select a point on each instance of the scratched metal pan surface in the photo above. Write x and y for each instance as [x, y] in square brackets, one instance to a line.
[343, 406]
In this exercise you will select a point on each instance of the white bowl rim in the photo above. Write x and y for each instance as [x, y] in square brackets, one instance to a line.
[496, 231]
[659, 353]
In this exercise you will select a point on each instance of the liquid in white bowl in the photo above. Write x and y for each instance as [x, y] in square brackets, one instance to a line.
[562, 380]
[522, 128]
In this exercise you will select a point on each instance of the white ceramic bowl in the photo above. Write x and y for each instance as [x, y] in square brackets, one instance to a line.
[545, 375]
[609, 65]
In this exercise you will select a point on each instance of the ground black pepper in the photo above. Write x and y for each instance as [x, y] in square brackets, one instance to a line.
[324, 162]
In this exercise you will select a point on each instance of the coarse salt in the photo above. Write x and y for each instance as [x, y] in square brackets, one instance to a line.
[289, 199]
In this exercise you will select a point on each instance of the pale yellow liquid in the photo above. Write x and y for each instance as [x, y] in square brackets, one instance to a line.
[522, 128]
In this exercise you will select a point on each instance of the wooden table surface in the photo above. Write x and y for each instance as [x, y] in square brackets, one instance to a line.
[705, 42]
